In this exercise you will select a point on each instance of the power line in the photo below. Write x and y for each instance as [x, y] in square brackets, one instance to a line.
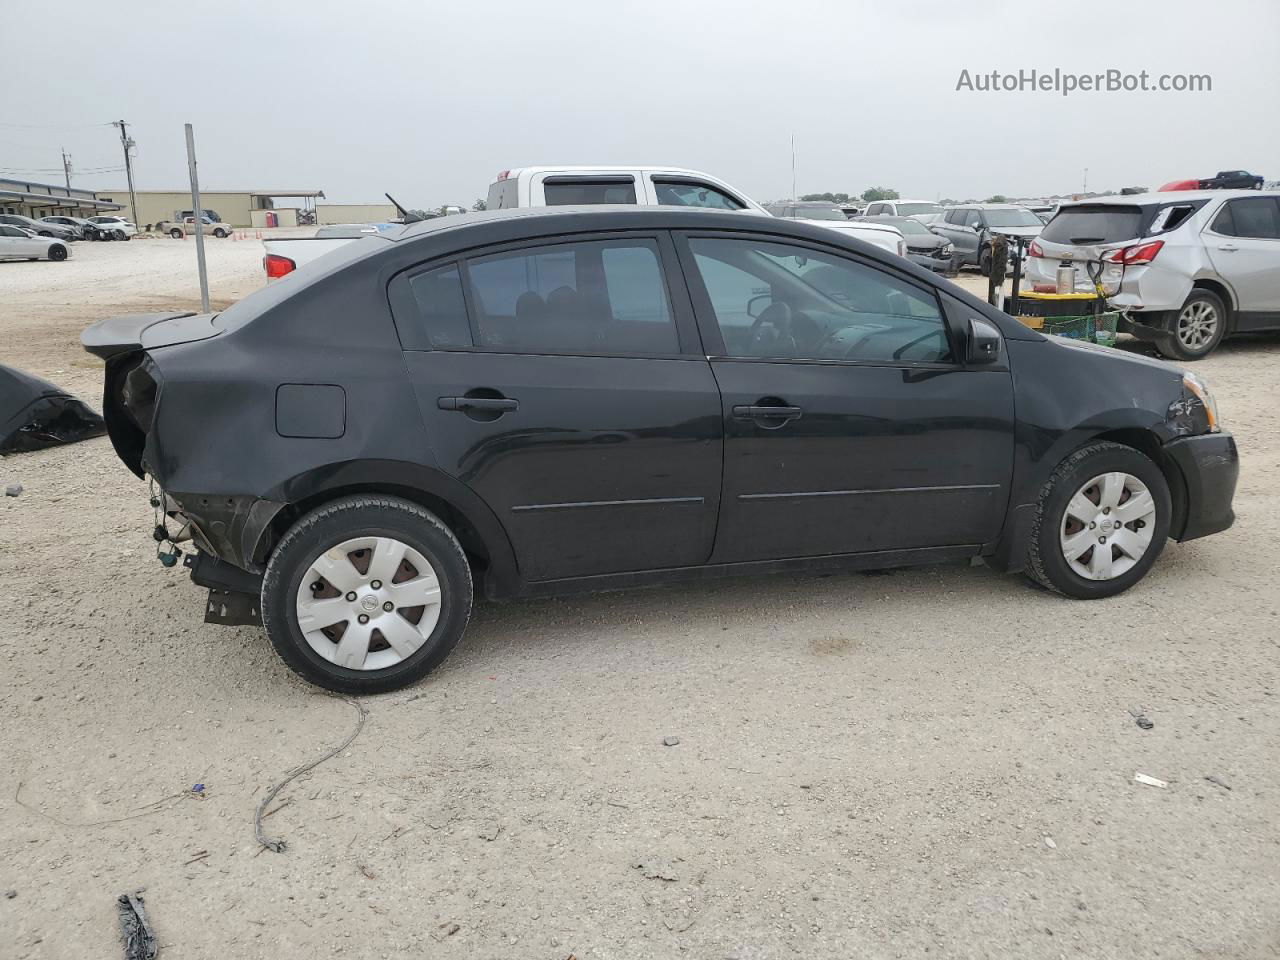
[55, 126]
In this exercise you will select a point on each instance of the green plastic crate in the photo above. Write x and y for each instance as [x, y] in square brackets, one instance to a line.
[1095, 329]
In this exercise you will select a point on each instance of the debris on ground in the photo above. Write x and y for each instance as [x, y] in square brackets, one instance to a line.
[1140, 718]
[13, 490]
[654, 868]
[10, 894]
[445, 930]
[278, 846]
[490, 830]
[139, 939]
[200, 855]
[1217, 782]
[1048, 842]
[198, 788]
[1149, 781]
[35, 414]
[671, 741]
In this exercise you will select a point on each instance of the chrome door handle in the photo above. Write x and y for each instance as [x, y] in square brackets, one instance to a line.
[1228, 247]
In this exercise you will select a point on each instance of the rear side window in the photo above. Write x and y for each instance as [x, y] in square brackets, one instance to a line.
[679, 193]
[568, 192]
[602, 297]
[1109, 223]
[1255, 217]
[440, 318]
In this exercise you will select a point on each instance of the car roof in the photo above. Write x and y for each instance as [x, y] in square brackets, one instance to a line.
[601, 168]
[905, 200]
[1168, 196]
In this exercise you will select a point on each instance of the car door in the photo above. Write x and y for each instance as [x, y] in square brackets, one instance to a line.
[1243, 241]
[16, 243]
[850, 426]
[562, 382]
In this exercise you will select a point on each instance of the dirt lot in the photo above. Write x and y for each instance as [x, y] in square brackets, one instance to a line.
[937, 761]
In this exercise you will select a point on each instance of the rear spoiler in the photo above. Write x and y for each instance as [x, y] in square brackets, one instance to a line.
[144, 331]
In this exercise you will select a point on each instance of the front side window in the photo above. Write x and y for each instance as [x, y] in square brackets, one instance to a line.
[675, 193]
[567, 192]
[1254, 217]
[781, 301]
[601, 297]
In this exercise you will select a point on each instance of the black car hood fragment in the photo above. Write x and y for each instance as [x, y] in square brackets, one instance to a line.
[35, 414]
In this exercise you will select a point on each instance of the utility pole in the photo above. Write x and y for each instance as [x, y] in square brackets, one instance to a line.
[793, 166]
[1084, 187]
[66, 167]
[128, 166]
[198, 212]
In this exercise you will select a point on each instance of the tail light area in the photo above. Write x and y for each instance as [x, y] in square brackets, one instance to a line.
[129, 405]
[277, 266]
[1136, 255]
[1035, 250]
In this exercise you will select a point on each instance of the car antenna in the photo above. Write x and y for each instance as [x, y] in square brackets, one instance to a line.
[406, 215]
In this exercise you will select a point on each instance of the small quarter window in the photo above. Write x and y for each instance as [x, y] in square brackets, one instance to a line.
[441, 317]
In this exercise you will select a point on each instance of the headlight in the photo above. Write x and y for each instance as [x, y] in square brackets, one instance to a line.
[1196, 411]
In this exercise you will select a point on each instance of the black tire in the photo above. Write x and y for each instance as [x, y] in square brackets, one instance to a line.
[176, 233]
[346, 519]
[984, 263]
[1045, 562]
[45, 233]
[57, 254]
[1175, 345]
[220, 234]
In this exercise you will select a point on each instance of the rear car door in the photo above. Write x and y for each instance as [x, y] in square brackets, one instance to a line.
[564, 384]
[849, 425]
[1243, 241]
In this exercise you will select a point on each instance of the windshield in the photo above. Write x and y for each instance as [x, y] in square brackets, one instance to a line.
[912, 209]
[820, 213]
[1099, 223]
[1011, 218]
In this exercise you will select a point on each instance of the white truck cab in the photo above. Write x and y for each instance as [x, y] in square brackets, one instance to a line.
[549, 186]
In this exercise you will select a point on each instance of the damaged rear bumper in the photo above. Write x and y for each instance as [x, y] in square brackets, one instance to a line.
[230, 528]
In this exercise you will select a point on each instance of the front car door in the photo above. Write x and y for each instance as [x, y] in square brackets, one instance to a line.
[850, 426]
[563, 383]
[1243, 241]
[16, 243]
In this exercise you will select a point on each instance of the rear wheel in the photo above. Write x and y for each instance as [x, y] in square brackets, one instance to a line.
[366, 594]
[57, 254]
[1101, 522]
[175, 233]
[1196, 330]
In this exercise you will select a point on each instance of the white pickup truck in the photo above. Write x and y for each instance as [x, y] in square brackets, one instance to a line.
[549, 186]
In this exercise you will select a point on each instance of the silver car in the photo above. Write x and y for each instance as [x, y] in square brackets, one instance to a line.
[19, 244]
[1188, 268]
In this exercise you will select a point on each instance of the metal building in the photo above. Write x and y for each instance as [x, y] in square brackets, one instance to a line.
[235, 207]
[36, 200]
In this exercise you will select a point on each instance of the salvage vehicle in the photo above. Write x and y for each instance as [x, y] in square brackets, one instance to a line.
[39, 227]
[115, 228]
[19, 244]
[187, 228]
[82, 227]
[923, 245]
[516, 403]
[824, 214]
[548, 186]
[1232, 180]
[971, 227]
[903, 208]
[1187, 269]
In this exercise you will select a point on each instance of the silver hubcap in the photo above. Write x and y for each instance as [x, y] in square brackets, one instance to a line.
[1197, 325]
[1107, 526]
[368, 603]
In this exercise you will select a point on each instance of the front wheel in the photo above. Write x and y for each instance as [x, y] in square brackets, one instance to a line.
[1101, 522]
[1197, 328]
[220, 234]
[366, 594]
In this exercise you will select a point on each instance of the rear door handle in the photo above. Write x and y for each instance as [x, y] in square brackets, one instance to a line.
[753, 412]
[1228, 247]
[498, 404]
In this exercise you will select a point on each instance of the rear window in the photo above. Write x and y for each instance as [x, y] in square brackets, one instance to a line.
[1100, 223]
[564, 192]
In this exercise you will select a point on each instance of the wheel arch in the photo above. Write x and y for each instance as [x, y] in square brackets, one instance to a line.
[1222, 291]
[471, 520]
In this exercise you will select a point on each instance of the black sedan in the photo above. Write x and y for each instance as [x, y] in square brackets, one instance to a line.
[528, 402]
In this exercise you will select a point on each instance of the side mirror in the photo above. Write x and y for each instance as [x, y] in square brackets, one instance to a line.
[984, 342]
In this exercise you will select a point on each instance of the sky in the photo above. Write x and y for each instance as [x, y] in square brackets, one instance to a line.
[429, 100]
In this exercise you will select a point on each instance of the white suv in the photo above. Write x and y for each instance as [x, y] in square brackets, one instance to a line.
[1188, 268]
[902, 208]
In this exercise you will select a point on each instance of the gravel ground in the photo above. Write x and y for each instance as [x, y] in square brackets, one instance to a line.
[938, 761]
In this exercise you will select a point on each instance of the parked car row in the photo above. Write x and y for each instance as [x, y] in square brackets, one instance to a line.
[17, 243]
[74, 228]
